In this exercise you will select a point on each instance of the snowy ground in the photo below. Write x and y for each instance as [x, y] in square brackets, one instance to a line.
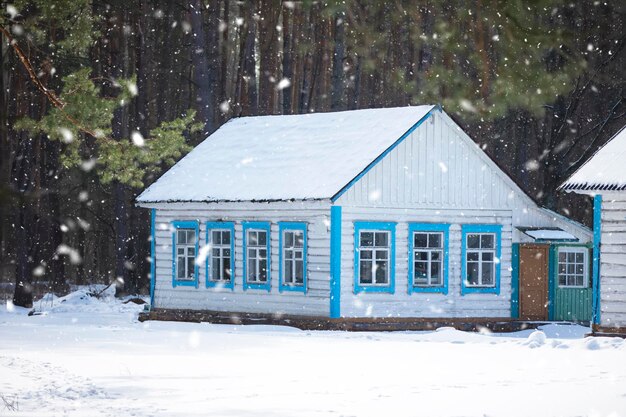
[86, 357]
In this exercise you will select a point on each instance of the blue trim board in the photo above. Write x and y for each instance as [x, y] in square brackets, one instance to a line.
[210, 226]
[375, 226]
[184, 225]
[152, 255]
[335, 262]
[515, 281]
[382, 155]
[480, 228]
[256, 226]
[429, 227]
[553, 254]
[597, 238]
[282, 227]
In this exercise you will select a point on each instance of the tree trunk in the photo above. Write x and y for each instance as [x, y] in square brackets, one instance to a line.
[201, 71]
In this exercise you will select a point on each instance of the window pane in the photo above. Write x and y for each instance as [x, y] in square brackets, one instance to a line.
[421, 256]
[486, 241]
[420, 240]
[579, 257]
[190, 266]
[299, 272]
[365, 272]
[487, 273]
[263, 270]
[579, 281]
[381, 272]
[226, 237]
[215, 269]
[487, 256]
[579, 269]
[382, 255]
[299, 240]
[181, 237]
[435, 273]
[180, 267]
[562, 268]
[226, 252]
[262, 238]
[191, 251]
[562, 279]
[215, 253]
[180, 251]
[382, 239]
[216, 237]
[473, 241]
[472, 273]
[252, 238]
[434, 240]
[252, 272]
[367, 239]
[288, 272]
[226, 267]
[288, 239]
[299, 254]
[262, 253]
[421, 272]
[366, 254]
[562, 256]
[571, 257]
[435, 256]
[288, 254]
[472, 256]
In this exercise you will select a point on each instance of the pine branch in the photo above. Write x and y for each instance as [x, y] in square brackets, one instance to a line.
[50, 95]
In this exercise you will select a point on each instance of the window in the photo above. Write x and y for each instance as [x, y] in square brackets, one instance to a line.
[292, 246]
[428, 257]
[256, 261]
[374, 256]
[572, 267]
[220, 259]
[185, 251]
[480, 249]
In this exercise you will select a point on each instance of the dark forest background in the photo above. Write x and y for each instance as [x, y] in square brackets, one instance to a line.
[98, 98]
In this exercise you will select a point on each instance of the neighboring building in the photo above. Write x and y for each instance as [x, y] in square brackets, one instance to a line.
[370, 213]
[604, 178]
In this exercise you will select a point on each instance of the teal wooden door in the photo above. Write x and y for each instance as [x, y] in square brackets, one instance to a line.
[571, 284]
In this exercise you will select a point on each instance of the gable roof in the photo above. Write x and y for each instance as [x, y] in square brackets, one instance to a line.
[605, 170]
[288, 157]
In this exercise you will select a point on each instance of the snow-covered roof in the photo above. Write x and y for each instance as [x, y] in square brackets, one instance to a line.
[549, 234]
[605, 170]
[309, 156]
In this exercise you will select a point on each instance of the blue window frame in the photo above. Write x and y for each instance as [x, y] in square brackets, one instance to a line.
[256, 256]
[374, 257]
[481, 246]
[184, 253]
[292, 244]
[428, 257]
[220, 260]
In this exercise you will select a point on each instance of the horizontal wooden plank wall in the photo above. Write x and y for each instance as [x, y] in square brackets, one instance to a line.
[613, 260]
[403, 304]
[314, 302]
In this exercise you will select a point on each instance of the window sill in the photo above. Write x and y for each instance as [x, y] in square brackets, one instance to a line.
[479, 290]
[431, 289]
[257, 286]
[293, 288]
[221, 284]
[374, 289]
[185, 283]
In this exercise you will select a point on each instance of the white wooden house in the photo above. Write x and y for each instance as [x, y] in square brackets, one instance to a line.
[604, 178]
[390, 212]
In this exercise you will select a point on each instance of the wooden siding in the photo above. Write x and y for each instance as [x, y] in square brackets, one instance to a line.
[403, 304]
[573, 304]
[314, 302]
[613, 260]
